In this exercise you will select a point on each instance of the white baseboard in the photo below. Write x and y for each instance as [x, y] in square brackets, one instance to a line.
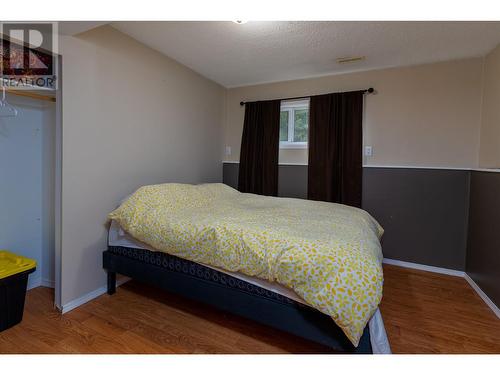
[423, 267]
[34, 282]
[89, 296]
[483, 296]
[447, 271]
[48, 283]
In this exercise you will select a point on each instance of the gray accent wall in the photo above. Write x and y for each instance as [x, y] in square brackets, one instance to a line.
[230, 174]
[483, 251]
[292, 179]
[423, 211]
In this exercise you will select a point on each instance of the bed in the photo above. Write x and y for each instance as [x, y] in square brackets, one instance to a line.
[187, 254]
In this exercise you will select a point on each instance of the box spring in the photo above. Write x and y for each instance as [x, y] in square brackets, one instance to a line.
[223, 291]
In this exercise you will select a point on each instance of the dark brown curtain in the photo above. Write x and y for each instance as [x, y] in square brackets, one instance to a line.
[258, 171]
[335, 148]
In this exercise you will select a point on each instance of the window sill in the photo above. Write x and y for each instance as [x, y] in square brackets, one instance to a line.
[293, 145]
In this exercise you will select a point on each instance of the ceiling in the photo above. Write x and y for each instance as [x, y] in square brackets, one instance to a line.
[256, 52]
[76, 27]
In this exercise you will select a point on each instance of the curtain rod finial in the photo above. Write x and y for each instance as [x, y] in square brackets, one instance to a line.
[242, 103]
[370, 90]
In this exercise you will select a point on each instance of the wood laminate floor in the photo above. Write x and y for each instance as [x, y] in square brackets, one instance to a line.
[423, 313]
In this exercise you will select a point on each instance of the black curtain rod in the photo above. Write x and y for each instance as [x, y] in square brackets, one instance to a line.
[367, 91]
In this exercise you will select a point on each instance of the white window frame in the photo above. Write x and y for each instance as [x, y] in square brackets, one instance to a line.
[290, 106]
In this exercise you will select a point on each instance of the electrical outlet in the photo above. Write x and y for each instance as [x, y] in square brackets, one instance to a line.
[368, 151]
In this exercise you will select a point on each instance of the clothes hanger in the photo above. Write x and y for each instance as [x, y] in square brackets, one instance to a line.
[8, 106]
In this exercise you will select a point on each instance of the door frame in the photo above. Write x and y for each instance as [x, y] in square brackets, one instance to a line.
[58, 190]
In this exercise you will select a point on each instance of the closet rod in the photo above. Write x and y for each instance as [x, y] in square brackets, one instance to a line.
[32, 95]
[367, 91]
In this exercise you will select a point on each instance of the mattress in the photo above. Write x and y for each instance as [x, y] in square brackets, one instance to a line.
[378, 336]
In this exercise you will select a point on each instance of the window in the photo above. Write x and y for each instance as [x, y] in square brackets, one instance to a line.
[294, 123]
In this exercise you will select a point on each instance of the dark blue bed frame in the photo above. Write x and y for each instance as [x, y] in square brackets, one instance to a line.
[206, 285]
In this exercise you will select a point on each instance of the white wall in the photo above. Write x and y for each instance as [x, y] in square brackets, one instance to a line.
[131, 117]
[489, 153]
[425, 115]
[26, 164]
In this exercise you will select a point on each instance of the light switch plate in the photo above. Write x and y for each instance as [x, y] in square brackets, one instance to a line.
[228, 150]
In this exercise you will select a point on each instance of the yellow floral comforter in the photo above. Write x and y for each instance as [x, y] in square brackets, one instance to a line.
[329, 254]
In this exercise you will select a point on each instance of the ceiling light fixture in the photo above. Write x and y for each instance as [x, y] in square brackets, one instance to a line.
[350, 59]
[240, 22]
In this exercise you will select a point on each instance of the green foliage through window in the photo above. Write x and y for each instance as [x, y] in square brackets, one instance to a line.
[300, 130]
[284, 126]
[294, 124]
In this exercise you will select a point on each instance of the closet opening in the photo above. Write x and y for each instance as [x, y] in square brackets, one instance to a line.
[30, 189]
